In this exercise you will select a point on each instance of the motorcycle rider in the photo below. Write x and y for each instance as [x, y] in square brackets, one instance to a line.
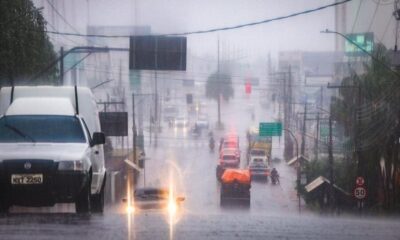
[211, 143]
[274, 175]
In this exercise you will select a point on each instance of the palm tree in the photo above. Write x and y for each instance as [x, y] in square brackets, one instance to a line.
[219, 85]
[370, 115]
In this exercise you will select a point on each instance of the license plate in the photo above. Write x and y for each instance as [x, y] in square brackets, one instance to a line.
[26, 179]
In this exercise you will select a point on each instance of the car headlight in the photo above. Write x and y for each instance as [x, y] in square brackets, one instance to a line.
[70, 165]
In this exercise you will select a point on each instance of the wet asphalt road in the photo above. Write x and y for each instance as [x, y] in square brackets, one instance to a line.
[232, 225]
[273, 213]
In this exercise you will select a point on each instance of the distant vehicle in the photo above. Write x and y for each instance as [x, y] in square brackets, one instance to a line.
[170, 112]
[155, 198]
[202, 108]
[231, 151]
[195, 131]
[258, 154]
[211, 144]
[51, 148]
[235, 187]
[229, 159]
[181, 122]
[202, 122]
[230, 141]
[259, 163]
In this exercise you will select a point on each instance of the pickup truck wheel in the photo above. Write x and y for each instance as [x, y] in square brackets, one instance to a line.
[82, 202]
[97, 200]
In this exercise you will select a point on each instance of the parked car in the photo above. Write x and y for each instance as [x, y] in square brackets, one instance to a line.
[202, 122]
[181, 122]
[51, 148]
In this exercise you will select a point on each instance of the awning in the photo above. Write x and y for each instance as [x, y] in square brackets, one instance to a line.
[294, 160]
[319, 181]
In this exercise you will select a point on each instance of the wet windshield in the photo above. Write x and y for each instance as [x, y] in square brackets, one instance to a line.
[229, 157]
[51, 129]
[257, 152]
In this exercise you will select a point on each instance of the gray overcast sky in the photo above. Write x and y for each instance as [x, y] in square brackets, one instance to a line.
[170, 16]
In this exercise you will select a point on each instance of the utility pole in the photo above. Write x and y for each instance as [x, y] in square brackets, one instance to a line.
[62, 67]
[303, 135]
[357, 127]
[156, 95]
[396, 14]
[134, 128]
[318, 124]
[330, 152]
[219, 97]
[316, 150]
[285, 116]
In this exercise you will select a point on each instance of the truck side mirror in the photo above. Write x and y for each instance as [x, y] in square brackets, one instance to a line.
[98, 138]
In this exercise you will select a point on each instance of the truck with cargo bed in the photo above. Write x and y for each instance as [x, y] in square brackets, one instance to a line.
[51, 148]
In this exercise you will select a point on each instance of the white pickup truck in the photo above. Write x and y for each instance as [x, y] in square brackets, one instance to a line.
[258, 164]
[51, 148]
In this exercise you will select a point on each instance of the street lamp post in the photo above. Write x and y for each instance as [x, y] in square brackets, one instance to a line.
[299, 166]
[363, 50]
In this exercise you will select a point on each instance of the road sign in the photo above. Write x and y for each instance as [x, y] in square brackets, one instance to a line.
[360, 181]
[270, 129]
[114, 123]
[360, 193]
[157, 53]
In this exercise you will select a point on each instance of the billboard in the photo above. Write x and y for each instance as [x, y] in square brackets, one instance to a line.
[114, 124]
[157, 53]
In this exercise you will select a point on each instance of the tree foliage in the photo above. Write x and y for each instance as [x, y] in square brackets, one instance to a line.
[370, 114]
[219, 85]
[25, 48]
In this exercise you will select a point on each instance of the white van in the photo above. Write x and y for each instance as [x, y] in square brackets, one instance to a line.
[51, 148]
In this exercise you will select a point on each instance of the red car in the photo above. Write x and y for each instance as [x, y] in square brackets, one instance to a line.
[229, 158]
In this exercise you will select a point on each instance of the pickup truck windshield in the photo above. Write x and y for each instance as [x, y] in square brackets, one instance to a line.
[257, 153]
[41, 128]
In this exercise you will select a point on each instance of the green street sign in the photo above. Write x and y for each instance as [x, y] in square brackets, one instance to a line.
[270, 129]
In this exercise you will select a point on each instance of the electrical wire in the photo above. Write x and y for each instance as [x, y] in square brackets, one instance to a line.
[358, 12]
[64, 19]
[373, 16]
[213, 29]
[382, 3]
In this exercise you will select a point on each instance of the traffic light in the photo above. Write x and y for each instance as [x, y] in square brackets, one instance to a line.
[248, 88]
[189, 98]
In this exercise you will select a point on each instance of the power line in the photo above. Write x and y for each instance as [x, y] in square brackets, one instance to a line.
[213, 29]
[61, 16]
[373, 17]
[64, 19]
[357, 14]
[382, 3]
[65, 37]
[386, 29]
